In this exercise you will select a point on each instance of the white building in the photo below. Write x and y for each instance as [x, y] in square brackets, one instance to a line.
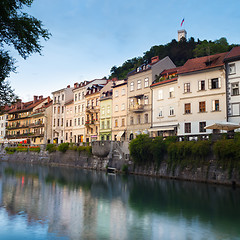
[60, 98]
[202, 94]
[3, 122]
[232, 61]
[165, 104]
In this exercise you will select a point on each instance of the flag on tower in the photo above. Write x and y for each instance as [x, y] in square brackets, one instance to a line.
[182, 22]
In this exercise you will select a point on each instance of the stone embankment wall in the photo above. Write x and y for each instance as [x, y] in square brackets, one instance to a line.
[108, 154]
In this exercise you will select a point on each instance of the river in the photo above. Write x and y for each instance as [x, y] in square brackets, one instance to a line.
[39, 202]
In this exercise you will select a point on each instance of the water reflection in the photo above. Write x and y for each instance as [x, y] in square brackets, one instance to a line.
[53, 203]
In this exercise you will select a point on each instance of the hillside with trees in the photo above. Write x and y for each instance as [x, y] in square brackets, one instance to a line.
[179, 52]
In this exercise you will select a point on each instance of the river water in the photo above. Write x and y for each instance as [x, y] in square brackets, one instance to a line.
[62, 203]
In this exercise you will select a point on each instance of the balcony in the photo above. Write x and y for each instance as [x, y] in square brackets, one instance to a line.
[18, 135]
[137, 108]
[37, 124]
[17, 126]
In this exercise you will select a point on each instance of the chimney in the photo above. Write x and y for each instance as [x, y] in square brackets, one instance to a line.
[48, 99]
[35, 98]
[154, 59]
[40, 97]
[68, 86]
[19, 104]
[114, 79]
[75, 85]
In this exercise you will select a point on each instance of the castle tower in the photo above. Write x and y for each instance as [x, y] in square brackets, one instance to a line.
[182, 33]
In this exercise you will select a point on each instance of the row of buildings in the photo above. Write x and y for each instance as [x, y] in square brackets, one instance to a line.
[157, 98]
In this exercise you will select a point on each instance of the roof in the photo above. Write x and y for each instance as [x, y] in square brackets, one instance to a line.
[170, 71]
[164, 82]
[234, 54]
[69, 102]
[203, 63]
[26, 106]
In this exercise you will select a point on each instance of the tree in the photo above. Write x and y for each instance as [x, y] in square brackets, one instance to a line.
[20, 31]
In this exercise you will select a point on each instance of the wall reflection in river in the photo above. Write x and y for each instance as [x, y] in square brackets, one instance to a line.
[60, 203]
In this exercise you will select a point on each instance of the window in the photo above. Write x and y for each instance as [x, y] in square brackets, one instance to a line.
[79, 121]
[108, 124]
[116, 108]
[75, 97]
[96, 116]
[58, 122]
[96, 101]
[83, 108]
[123, 91]
[139, 84]
[66, 136]
[187, 127]
[131, 121]
[70, 123]
[116, 93]
[123, 122]
[79, 108]
[201, 85]
[82, 120]
[235, 109]
[145, 100]
[54, 110]
[232, 68]
[235, 89]
[82, 95]
[75, 122]
[202, 106]
[108, 109]
[171, 92]
[62, 96]
[146, 118]
[146, 82]
[66, 123]
[214, 83]
[75, 109]
[171, 111]
[187, 108]
[138, 119]
[186, 87]
[202, 126]
[123, 106]
[54, 122]
[116, 123]
[215, 105]
[160, 114]
[131, 86]
[160, 94]
[62, 122]
[102, 124]
[79, 96]
[58, 110]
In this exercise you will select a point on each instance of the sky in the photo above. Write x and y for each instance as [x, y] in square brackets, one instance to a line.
[89, 37]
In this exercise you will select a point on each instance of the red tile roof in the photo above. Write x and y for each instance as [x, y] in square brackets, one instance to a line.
[203, 63]
[164, 81]
[233, 54]
[170, 71]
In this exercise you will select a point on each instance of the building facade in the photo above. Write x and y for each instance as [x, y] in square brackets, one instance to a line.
[119, 110]
[202, 94]
[139, 113]
[60, 98]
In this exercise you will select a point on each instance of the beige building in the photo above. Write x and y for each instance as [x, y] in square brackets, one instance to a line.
[60, 98]
[119, 111]
[92, 103]
[165, 104]
[202, 94]
[70, 122]
[79, 92]
[139, 113]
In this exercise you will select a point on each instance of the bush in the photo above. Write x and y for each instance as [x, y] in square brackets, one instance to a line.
[63, 147]
[140, 149]
[158, 149]
[10, 150]
[22, 149]
[51, 148]
[34, 149]
[81, 149]
[125, 168]
[89, 150]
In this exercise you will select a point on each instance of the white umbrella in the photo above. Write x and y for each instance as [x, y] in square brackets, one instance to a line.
[228, 126]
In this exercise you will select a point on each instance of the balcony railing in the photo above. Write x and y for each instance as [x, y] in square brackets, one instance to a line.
[137, 108]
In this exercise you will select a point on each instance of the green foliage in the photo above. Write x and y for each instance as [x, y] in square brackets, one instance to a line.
[158, 148]
[125, 168]
[140, 149]
[10, 150]
[34, 149]
[87, 149]
[63, 147]
[179, 52]
[72, 147]
[21, 31]
[51, 148]
[22, 149]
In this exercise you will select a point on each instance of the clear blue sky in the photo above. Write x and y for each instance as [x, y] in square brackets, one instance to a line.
[91, 36]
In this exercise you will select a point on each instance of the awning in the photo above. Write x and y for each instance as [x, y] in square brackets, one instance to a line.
[228, 126]
[17, 140]
[119, 135]
[163, 128]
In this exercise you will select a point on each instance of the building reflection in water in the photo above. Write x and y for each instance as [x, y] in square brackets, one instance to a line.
[79, 204]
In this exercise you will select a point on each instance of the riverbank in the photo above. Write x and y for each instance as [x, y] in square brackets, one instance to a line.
[209, 172]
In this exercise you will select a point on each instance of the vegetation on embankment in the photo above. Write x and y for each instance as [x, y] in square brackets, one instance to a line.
[63, 147]
[146, 151]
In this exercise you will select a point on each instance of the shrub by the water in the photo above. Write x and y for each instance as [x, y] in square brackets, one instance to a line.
[51, 148]
[63, 147]
[10, 150]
